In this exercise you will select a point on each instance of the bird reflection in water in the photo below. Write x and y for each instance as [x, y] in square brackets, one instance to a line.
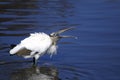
[36, 73]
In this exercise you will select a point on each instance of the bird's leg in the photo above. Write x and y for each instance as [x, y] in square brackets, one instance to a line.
[35, 59]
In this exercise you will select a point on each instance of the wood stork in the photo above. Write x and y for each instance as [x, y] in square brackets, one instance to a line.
[38, 44]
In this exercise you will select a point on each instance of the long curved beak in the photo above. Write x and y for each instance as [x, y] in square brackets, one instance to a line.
[63, 30]
[68, 37]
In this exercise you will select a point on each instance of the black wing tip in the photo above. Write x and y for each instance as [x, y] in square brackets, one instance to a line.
[12, 46]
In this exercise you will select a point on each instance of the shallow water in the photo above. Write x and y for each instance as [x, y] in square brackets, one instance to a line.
[93, 56]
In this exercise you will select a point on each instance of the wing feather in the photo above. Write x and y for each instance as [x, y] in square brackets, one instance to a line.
[20, 50]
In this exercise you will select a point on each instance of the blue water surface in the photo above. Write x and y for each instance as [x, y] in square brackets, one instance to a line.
[94, 55]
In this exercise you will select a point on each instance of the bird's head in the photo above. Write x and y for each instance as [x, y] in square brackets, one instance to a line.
[55, 36]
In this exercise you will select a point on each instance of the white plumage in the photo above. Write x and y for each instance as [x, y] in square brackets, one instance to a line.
[37, 44]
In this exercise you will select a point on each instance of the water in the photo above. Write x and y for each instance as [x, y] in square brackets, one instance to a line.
[93, 56]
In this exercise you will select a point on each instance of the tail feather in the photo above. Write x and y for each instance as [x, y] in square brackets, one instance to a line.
[16, 49]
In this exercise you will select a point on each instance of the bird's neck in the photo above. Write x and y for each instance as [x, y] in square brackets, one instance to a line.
[54, 40]
[54, 43]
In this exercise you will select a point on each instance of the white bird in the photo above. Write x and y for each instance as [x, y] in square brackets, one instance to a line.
[38, 44]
